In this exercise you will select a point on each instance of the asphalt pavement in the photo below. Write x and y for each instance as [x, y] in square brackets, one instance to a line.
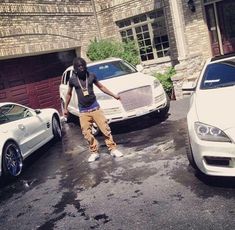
[152, 187]
[179, 108]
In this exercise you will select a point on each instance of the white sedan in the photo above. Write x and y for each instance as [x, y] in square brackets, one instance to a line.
[140, 93]
[22, 131]
[211, 119]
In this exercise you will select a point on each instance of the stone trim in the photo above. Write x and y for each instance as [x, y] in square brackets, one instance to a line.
[7, 9]
[39, 30]
[188, 70]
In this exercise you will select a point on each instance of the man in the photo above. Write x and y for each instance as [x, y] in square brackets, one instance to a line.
[89, 108]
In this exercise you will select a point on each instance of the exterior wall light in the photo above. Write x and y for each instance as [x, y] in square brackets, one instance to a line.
[191, 5]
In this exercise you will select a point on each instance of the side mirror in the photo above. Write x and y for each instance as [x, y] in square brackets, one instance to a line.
[139, 68]
[189, 86]
[37, 111]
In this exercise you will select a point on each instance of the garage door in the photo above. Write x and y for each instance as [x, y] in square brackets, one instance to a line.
[34, 81]
[41, 94]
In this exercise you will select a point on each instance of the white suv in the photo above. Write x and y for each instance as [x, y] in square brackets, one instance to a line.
[140, 94]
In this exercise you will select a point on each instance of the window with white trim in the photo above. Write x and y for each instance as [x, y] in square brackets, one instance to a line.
[150, 32]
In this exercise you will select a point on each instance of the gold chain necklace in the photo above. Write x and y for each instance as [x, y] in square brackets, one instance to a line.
[84, 90]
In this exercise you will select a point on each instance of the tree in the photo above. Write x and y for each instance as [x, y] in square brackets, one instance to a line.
[99, 50]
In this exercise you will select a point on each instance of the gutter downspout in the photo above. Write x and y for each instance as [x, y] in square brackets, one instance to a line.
[96, 19]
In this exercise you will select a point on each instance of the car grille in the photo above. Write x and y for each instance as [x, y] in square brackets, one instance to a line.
[159, 98]
[136, 98]
[112, 111]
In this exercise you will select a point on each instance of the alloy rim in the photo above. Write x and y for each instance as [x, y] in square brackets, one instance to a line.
[13, 160]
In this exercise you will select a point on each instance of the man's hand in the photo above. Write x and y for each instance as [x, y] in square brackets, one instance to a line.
[117, 97]
[107, 91]
[68, 98]
[65, 113]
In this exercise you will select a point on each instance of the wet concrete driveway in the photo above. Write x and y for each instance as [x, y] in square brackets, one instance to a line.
[151, 187]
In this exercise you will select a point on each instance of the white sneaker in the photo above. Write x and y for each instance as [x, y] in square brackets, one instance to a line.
[116, 153]
[93, 157]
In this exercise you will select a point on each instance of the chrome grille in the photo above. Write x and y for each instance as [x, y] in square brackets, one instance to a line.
[112, 111]
[136, 98]
[159, 98]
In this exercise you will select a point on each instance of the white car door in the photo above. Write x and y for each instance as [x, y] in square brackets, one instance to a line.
[35, 130]
[28, 128]
[73, 105]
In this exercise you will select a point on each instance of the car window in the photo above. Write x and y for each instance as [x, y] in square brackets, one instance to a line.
[219, 75]
[62, 80]
[111, 69]
[67, 76]
[12, 112]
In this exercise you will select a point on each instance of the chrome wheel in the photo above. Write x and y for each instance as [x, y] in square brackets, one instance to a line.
[12, 160]
[56, 129]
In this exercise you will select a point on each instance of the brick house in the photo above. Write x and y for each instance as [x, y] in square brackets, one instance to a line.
[39, 39]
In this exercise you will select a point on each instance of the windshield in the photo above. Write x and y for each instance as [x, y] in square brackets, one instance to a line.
[219, 75]
[111, 69]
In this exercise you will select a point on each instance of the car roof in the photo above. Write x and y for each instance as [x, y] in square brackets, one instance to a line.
[104, 61]
[13, 103]
[97, 62]
[5, 103]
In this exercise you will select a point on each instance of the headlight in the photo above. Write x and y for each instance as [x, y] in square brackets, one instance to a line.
[103, 96]
[210, 133]
[156, 83]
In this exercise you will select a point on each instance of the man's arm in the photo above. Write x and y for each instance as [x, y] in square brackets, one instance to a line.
[107, 91]
[67, 100]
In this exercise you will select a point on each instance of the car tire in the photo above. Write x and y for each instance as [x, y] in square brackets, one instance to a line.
[189, 152]
[56, 128]
[12, 161]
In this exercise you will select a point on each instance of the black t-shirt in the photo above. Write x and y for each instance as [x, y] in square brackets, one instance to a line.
[84, 101]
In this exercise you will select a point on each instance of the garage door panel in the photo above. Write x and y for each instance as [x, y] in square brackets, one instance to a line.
[17, 94]
[34, 80]
[18, 90]
[3, 95]
[42, 94]
[48, 92]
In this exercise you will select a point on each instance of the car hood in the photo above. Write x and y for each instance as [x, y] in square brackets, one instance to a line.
[126, 82]
[215, 107]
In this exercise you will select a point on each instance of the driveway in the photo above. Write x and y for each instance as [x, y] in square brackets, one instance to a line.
[151, 187]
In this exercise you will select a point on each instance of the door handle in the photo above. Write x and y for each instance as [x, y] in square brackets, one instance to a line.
[21, 127]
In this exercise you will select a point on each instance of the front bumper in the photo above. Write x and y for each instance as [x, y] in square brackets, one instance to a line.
[117, 113]
[213, 158]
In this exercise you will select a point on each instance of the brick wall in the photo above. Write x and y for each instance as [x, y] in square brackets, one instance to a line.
[194, 24]
[109, 12]
[196, 30]
[39, 26]
[197, 45]
[46, 25]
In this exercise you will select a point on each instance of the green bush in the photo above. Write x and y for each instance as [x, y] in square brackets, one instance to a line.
[165, 79]
[99, 50]
[130, 53]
